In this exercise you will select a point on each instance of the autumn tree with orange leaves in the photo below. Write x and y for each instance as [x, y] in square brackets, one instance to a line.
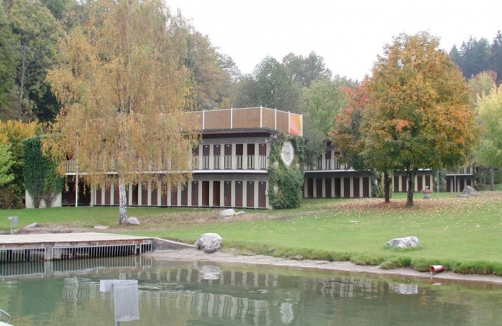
[349, 138]
[418, 112]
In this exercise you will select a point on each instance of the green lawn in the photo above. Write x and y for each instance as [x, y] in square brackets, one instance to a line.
[462, 233]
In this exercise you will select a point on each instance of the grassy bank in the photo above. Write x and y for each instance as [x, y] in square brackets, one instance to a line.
[461, 233]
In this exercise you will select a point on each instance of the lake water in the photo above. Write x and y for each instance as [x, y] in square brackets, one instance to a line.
[149, 292]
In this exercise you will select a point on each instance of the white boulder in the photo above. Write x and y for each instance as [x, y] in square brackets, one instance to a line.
[209, 242]
[406, 242]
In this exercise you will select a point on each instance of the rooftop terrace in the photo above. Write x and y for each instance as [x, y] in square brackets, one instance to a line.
[250, 118]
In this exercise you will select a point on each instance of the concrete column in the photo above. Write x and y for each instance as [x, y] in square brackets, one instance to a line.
[232, 192]
[140, 193]
[211, 157]
[244, 156]
[112, 195]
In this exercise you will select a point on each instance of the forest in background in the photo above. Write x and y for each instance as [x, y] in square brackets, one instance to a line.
[30, 31]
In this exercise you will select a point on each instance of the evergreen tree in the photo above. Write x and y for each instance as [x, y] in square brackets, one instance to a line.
[496, 56]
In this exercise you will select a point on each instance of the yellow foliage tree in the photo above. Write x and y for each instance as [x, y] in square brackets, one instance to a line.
[489, 150]
[123, 89]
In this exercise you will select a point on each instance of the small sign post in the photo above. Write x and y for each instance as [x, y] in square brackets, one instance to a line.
[13, 222]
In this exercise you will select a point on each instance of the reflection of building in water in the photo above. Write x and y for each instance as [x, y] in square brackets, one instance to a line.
[76, 289]
[39, 269]
[211, 305]
[234, 297]
[240, 296]
[343, 287]
[404, 288]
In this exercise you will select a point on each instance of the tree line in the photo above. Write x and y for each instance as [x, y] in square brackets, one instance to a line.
[476, 56]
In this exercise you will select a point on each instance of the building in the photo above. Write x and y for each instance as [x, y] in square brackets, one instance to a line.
[229, 165]
[230, 168]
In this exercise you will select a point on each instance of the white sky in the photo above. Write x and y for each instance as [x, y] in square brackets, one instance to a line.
[347, 34]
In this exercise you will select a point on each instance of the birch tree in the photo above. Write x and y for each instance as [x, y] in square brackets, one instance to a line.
[123, 90]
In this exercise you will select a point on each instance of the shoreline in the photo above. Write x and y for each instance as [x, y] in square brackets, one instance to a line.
[194, 255]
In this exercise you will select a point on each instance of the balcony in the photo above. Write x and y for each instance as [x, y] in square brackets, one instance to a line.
[469, 170]
[249, 118]
[229, 162]
[205, 163]
[326, 165]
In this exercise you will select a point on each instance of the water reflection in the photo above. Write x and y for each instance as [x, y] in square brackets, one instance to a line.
[125, 298]
[178, 293]
[41, 269]
[208, 271]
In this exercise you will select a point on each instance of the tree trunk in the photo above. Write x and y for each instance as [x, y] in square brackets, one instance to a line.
[21, 86]
[122, 202]
[386, 185]
[410, 175]
[492, 183]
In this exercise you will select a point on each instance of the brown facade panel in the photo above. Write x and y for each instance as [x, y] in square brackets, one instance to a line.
[318, 187]
[153, 199]
[250, 194]
[217, 119]
[338, 187]
[98, 196]
[216, 194]
[262, 151]
[428, 181]
[396, 183]
[134, 195]
[227, 193]
[174, 196]
[108, 195]
[164, 194]
[217, 150]
[205, 150]
[243, 118]
[268, 118]
[366, 187]
[355, 186]
[283, 121]
[404, 181]
[144, 194]
[184, 196]
[250, 149]
[262, 194]
[205, 193]
[238, 194]
[195, 193]
[327, 187]
[116, 194]
[310, 188]
[346, 187]
[419, 183]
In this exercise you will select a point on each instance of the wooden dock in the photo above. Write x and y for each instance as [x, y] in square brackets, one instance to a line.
[31, 247]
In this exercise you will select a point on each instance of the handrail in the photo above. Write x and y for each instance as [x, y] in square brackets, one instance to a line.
[6, 314]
